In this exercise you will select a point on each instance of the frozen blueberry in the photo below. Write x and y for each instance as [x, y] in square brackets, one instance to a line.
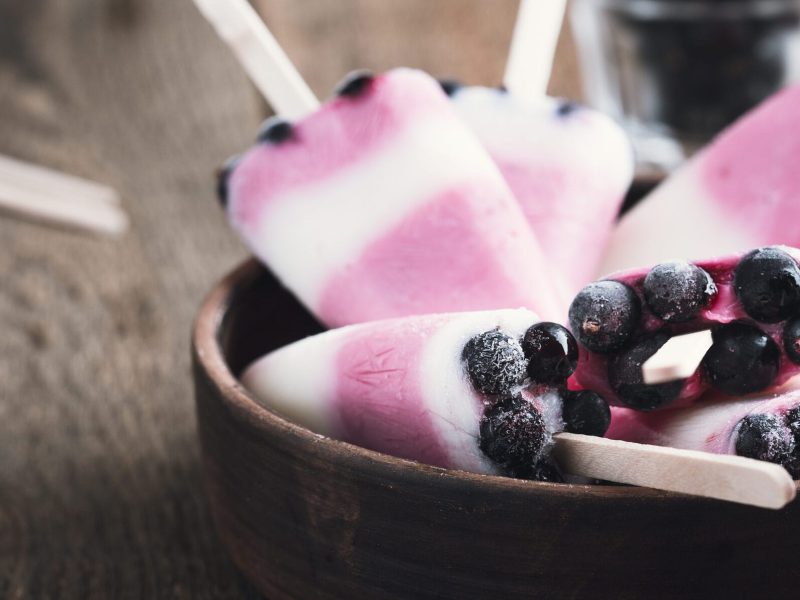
[764, 437]
[355, 83]
[545, 470]
[450, 86]
[551, 351]
[742, 360]
[604, 315]
[223, 177]
[678, 291]
[567, 107]
[767, 283]
[513, 434]
[586, 412]
[791, 340]
[625, 376]
[495, 362]
[793, 418]
[275, 130]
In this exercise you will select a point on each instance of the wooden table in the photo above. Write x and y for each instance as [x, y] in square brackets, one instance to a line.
[100, 486]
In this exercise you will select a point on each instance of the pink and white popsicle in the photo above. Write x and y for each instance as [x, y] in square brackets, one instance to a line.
[740, 192]
[450, 390]
[383, 204]
[568, 166]
[765, 427]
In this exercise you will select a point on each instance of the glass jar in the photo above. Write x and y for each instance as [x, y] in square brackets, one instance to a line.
[676, 72]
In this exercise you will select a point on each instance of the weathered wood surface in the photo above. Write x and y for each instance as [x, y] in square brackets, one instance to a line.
[100, 487]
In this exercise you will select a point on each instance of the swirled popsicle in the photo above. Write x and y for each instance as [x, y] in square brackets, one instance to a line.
[384, 204]
[477, 391]
[740, 192]
[764, 427]
[568, 166]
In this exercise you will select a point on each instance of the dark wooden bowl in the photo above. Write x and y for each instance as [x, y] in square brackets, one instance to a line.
[308, 517]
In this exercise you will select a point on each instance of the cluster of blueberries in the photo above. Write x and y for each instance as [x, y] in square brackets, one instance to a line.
[513, 431]
[606, 317]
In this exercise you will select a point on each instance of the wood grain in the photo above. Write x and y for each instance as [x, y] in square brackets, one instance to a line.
[100, 488]
[100, 494]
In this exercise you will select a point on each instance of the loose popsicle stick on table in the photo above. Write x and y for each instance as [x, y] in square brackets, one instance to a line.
[42, 179]
[533, 47]
[730, 478]
[238, 24]
[47, 195]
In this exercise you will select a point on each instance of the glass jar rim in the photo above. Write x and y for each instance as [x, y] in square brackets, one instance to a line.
[693, 9]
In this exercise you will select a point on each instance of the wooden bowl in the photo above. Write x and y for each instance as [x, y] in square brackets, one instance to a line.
[308, 517]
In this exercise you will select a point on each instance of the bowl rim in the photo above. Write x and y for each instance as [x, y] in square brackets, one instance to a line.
[208, 354]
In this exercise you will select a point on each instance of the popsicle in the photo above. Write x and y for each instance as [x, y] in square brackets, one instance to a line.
[568, 166]
[383, 204]
[750, 302]
[477, 391]
[764, 427]
[738, 193]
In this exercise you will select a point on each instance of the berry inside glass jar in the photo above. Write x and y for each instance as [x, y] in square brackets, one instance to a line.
[685, 68]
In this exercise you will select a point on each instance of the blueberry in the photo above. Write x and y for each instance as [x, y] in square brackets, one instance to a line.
[625, 376]
[604, 315]
[567, 107]
[764, 437]
[545, 470]
[513, 434]
[495, 362]
[450, 86]
[275, 130]
[791, 340]
[223, 177]
[742, 360]
[678, 291]
[586, 412]
[793, 418]
[767, 283]
[355, 84]
[551, 351]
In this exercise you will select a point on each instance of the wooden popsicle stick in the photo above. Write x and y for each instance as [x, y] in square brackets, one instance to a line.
[37, 178]
[679, 358]
[238, 24]
[104, 217]
[533, 47]
[724, 477]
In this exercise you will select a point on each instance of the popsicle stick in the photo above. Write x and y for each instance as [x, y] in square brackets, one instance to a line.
[41, 179]
[47, 195]
[731, 478]
[678, 358]
[238, 24]
[533, 47]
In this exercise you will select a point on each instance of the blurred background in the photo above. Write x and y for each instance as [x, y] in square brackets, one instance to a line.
[100, 487]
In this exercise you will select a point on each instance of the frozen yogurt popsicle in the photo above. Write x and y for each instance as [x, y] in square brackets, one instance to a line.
[477, 391]
[765, 427]
[383, 204]
[568, 166]
[740, 192]
[750, 302]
